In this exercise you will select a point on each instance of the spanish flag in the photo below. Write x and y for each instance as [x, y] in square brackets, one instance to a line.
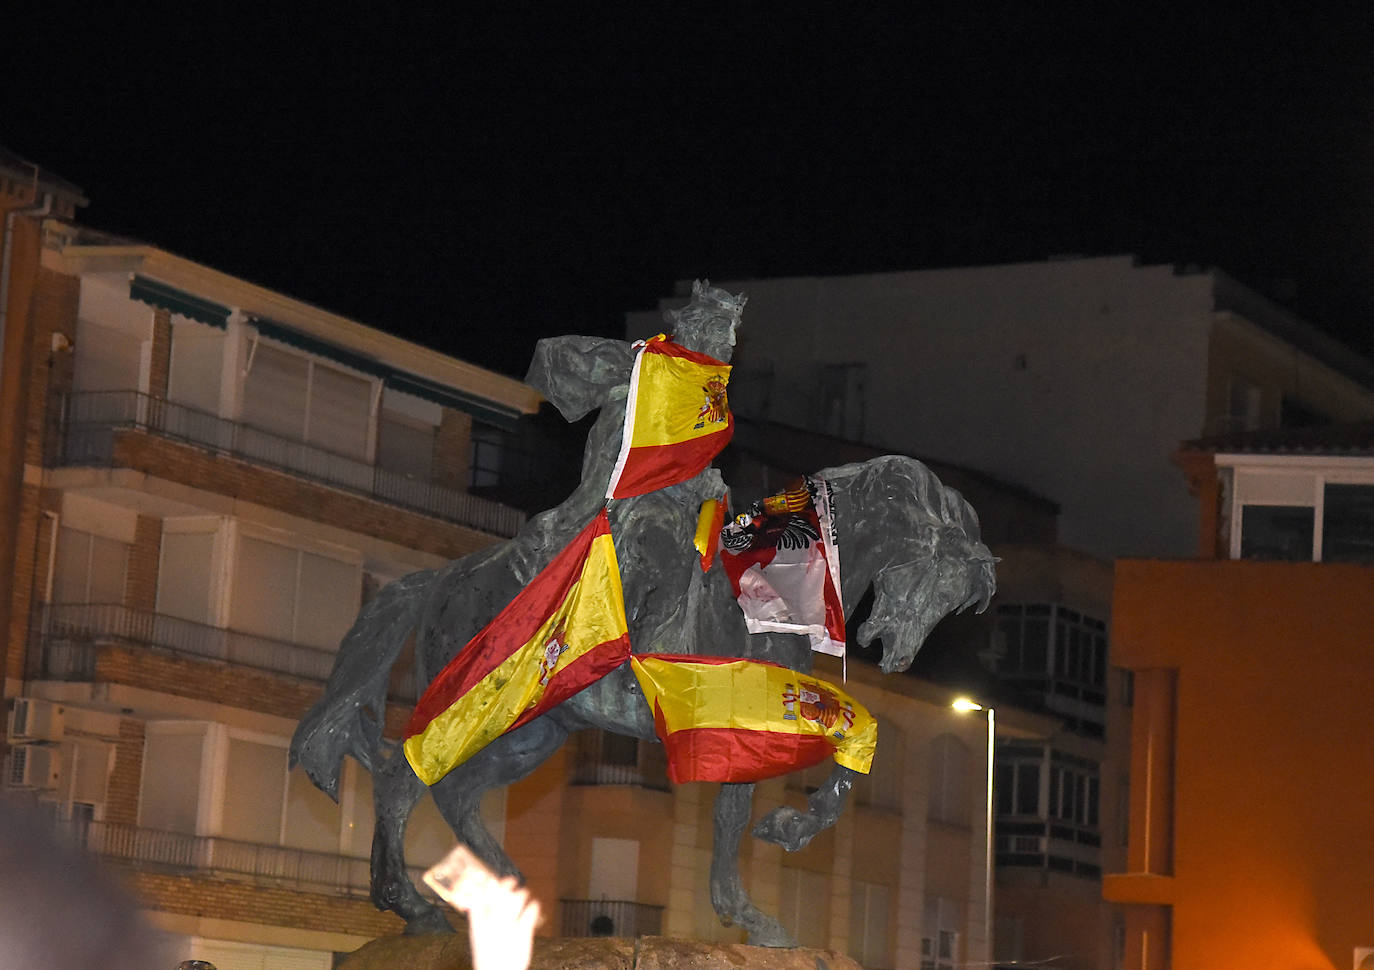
[677, 418]
[724, 719]
[710, 520]
[564, 631]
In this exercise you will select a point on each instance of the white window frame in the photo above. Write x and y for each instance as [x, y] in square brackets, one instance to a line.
[1256, 480]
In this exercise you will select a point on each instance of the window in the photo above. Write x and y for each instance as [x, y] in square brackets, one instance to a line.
[405, 446]
[948, 780]
[1016, 786]
[197, 364]
[1282, 532]
[940, 934]
[488, 452]
[882, 786]
[1348, 523]
[804, 903]
[184, 573]
[306, 400]
[1243, 406]
[1052, 649]
[870, 911]
[1293, 514]
[90, 568]
[1073, 792]
[292, 594]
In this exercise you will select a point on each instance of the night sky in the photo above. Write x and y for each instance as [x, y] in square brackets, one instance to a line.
[477, 178]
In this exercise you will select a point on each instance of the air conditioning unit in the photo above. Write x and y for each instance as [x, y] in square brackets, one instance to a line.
[35, 720]
[1364, 957]
[36, 766]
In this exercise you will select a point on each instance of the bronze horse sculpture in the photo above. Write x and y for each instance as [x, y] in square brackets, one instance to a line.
[914, 541]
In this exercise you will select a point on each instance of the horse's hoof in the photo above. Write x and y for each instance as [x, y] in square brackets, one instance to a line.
[786, 827]
[428, 923]
[774, 936]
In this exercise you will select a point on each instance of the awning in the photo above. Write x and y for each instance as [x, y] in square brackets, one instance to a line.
[479, 408]
[161, 295]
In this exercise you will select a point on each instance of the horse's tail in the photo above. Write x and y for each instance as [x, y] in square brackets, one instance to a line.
[349, 718]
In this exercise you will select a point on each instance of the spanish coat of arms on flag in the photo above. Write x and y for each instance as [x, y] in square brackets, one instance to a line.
[727, 719]
[783, 561]
[563, 632]
[677, 418]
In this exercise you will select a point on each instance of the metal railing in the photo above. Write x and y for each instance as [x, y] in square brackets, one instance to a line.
[270, 864]
[70, 635]
[610, 917]
[602, 758]
[91, 419]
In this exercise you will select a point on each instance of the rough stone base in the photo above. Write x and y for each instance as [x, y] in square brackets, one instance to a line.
[599, 953]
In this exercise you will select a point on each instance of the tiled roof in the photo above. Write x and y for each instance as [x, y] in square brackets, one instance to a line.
[1355, 439]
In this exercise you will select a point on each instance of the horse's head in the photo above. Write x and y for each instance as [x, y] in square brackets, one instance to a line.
[911, 597]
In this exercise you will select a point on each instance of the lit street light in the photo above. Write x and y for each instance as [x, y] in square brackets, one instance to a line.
[965, 705]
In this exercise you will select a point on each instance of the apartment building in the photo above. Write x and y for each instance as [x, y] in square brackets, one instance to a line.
[1251, 767]
[206, 479]
[1075, 378]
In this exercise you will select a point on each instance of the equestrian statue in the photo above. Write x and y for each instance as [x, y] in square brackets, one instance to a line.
[646, 489]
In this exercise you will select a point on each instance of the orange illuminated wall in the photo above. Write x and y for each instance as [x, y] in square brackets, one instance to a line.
[1252, 801]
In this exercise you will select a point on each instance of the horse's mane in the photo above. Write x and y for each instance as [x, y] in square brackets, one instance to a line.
[938, 501]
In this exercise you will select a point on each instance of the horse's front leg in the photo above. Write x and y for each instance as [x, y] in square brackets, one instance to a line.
[395, 792]
[731, 902]
[792, 829]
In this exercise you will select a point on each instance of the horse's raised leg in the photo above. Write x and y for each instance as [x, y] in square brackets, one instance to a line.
[791, 829]
[731, 902]
[505, 761]
[396, 789]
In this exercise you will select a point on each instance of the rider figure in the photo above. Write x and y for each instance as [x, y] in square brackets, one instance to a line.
[653, 532]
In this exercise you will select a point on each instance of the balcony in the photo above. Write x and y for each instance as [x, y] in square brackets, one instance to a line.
[273, 865]
[610, 917]
[602, 758]
[70, 634]
[1055, 845]
[92, 420]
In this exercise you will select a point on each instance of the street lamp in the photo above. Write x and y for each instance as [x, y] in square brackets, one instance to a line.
[965, 705]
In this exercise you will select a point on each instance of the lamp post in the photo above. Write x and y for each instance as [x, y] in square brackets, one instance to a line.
[965, 705]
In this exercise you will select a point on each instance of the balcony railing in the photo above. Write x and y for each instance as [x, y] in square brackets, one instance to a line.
[602, 758]
[71, 633]
[269, 864]
[610, 917]
[91, 419]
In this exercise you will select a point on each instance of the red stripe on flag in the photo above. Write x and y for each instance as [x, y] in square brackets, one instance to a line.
[509, 630]
[740, 755]
[670, 348]
[651, 467]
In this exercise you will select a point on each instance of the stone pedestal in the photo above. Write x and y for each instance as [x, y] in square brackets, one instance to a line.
[597, 953]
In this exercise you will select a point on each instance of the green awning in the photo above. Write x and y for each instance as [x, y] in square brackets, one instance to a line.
[161, 295]
[482, 410]
[479, 408]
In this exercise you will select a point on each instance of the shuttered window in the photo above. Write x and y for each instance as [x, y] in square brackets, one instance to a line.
[306, 400]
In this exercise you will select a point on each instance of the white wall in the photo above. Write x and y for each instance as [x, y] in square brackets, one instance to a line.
[1077, 379]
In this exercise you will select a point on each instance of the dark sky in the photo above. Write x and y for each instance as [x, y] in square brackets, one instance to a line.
[476, 178]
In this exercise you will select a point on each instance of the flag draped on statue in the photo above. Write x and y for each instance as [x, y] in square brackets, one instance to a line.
[783, 561]
[564, 631]
[723, 719]
[677, 418]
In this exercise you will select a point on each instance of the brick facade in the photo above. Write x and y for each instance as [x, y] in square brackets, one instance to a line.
[452, 447]
[222, 897]
[121, 795]
[140, 587]
[160, 360]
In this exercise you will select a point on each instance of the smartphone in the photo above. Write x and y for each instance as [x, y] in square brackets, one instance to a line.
[445, 876]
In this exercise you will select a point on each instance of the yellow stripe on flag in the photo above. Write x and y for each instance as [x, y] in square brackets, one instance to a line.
[581, 640]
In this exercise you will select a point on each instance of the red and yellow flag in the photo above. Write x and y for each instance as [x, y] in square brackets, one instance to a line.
[710, 520]
[564, 631]
[677, 418]
[723, 719]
